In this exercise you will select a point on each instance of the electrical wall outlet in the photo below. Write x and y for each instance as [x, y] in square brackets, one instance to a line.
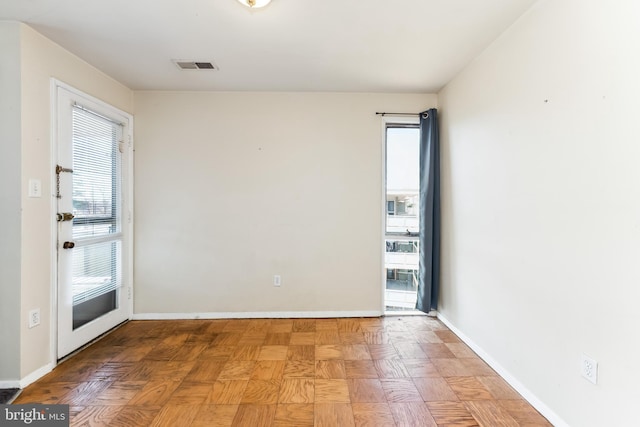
[277, 280]
[589, 369]
[34, 318]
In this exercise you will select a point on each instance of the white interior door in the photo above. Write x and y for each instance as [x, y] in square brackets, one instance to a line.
[93, 236]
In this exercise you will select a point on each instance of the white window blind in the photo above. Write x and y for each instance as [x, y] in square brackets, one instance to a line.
[95, 174]
[96, 204]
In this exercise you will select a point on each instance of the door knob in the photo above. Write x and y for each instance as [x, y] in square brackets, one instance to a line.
[68, 245]
[65, 216]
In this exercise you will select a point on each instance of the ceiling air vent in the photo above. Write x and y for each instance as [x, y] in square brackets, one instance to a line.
[195, 65]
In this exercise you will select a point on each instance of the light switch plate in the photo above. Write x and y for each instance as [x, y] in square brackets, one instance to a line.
[34, 318]
[35, 188]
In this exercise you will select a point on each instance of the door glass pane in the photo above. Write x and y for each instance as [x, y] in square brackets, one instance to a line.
[96, 278]
[95, 175]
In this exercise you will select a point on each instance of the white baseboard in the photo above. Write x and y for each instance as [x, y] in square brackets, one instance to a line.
[10, 384]
[256, 315]
[547, 412]
[32, 377]
[37, 374]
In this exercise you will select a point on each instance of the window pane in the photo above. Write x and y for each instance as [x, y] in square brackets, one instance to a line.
[402, 226]
[95, 270]
[403, 179]
[95, 280]
[95, 175]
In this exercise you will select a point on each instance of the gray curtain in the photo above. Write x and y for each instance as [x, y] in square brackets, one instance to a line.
[429, 272]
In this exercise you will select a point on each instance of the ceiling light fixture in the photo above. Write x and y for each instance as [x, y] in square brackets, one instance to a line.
[254, 4]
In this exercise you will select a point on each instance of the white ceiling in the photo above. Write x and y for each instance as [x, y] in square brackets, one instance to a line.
[290, 45]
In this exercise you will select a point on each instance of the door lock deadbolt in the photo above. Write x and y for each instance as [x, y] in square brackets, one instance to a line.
[65, 216]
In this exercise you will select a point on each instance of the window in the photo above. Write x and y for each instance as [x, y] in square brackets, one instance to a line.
[402, 179]
[96, 207]
[402, 194]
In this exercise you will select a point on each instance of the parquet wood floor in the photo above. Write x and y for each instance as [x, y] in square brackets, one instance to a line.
[390, 371]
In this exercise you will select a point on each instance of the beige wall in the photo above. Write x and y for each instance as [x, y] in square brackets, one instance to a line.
[10, 201]
[41, 60]
[541, 209]
[232, 188]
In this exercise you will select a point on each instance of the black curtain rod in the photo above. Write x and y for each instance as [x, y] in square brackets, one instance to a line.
[402, 114]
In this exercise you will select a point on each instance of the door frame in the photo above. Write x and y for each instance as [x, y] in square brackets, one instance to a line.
[127, 210]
